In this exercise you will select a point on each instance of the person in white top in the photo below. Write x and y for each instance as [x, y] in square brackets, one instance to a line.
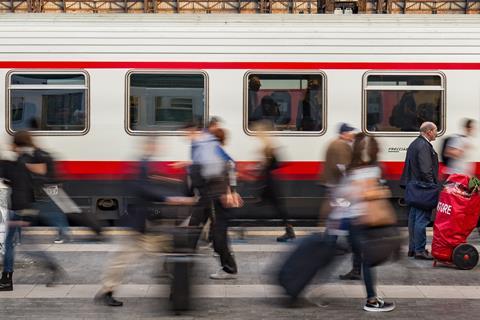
[362, 173]
[459, 148]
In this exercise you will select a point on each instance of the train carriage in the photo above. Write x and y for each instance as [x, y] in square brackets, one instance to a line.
[97, 84]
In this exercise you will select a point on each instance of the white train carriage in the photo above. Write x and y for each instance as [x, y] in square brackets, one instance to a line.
[92, 86]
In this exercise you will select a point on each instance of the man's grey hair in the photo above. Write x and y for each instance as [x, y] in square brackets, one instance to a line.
[427, 126]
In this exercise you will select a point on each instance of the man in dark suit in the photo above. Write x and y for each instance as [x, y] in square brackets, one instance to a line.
[421, 164]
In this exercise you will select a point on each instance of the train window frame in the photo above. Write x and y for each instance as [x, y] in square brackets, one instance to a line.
[365, 88]
[286, 72]
[206, 110]
[8, 98]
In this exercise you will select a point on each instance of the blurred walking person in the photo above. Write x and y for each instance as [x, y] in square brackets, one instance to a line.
[337, 158]
[52, 200]
[204, 211]
[458, 148]
[361, 188]
[19, 175]
[46, 186]
[209, 174]
[139, 242]
[270, 187]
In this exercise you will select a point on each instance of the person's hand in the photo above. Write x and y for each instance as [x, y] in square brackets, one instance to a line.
[185, 201]
[180, 164]
[232, 200]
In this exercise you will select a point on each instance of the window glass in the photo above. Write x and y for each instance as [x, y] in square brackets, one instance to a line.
[166, 102]
[48, 102]
[17, 109]
[403, 102]
[404, 80]
[291, 102]
[64, 79]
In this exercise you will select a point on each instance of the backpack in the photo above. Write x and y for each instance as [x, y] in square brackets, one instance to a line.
[42, 156]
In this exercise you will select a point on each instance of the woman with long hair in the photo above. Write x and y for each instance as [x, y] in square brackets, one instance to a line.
[270, 191]
[362, 180]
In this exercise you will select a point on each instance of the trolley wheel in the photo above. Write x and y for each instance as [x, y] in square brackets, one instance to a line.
[465, 256]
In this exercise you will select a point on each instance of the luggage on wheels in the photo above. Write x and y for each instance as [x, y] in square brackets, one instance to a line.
[457, 215]
[313, 253]
[182, 262]
[180, 286]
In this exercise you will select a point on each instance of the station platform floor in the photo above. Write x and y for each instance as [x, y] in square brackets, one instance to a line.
[418, 289]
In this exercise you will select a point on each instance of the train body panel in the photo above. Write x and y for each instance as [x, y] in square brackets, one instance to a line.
[356, 60]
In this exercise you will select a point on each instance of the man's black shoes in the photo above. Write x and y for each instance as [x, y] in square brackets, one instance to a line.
[425, 255]
[108, 300]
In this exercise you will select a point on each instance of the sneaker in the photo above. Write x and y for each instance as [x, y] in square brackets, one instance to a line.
[206, 246]
[378, 306]
[216, 255]
[223, 275]
[59, 240]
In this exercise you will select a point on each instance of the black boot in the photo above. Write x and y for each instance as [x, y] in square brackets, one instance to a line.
[6, 283]
[108, 299]
[354, 274]
[288, 235]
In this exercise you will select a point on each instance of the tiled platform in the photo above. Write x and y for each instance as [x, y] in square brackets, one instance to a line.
[419, 290]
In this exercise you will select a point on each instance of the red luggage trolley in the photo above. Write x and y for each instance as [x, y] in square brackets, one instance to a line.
[457, 215]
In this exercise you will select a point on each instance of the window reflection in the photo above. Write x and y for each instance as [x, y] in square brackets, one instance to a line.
[292, 102]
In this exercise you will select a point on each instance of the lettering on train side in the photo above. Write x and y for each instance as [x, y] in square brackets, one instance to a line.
[397, 149]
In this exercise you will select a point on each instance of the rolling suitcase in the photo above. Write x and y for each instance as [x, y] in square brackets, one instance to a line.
[182, 263]
[180, 285]
[313, 254]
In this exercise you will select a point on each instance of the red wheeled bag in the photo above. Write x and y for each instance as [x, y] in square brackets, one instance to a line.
[457, 215]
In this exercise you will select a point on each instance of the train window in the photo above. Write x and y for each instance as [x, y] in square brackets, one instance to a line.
[402, 102]
[133, 109]
[165, 102]
[293, 102]
[47, 102]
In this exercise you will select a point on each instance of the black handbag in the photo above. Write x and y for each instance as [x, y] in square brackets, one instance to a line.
[422, 195]
[380, 244]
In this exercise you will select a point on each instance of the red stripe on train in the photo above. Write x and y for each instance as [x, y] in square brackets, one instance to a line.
[238, 65]
[118, 170]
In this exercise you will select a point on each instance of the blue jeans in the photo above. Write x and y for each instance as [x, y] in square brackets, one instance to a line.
[9, 257]
[51, 215]
[355, 237]
[418, 221]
